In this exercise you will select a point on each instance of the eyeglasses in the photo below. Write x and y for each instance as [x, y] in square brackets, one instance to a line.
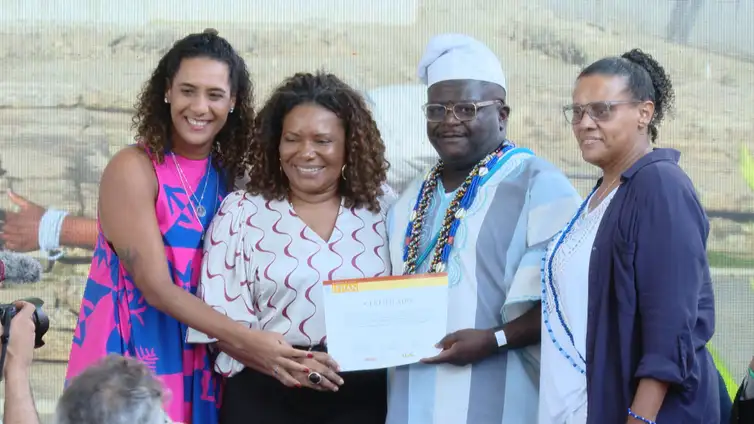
[464, 112]
[598, 111]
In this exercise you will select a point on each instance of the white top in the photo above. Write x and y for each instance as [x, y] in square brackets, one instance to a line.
[264, 267]
[562, 397]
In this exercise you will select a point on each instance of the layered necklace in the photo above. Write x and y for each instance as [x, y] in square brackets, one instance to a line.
[462, 201]
[198, 210]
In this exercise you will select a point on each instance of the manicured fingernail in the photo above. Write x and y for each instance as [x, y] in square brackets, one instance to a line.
[298, 385]
[306, 370]
[310, 355]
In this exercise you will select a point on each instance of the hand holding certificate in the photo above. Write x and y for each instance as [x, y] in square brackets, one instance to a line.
[385, 322]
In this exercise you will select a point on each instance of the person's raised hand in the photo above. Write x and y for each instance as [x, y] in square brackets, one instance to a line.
[20, 230]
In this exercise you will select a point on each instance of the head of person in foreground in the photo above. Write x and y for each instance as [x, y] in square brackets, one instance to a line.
[118, 390]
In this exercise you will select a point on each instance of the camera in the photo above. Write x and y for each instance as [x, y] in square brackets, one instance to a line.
[41, 325]
[41, 320]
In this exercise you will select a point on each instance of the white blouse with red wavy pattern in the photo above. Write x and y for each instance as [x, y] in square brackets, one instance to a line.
[264, 267]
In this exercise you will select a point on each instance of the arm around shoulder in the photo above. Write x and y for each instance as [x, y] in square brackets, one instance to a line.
[128, 191]
[225, 282]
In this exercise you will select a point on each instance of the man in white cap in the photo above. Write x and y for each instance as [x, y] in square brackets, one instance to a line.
[484, 214]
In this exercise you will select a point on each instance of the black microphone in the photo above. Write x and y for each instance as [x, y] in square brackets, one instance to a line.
[19, 269]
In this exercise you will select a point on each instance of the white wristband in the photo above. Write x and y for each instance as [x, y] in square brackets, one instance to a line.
[501, 339]
[50, 227]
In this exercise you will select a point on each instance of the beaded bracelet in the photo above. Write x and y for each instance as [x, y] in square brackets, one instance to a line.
[639, 417]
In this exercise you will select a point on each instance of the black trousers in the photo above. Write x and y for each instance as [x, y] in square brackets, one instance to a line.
[251, 397]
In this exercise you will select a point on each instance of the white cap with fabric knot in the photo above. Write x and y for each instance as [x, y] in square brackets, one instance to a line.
[459, 57]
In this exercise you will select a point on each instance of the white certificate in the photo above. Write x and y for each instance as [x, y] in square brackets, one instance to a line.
[385, 322]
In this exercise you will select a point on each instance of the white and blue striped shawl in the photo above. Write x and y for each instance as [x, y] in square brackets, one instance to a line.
[494, 273]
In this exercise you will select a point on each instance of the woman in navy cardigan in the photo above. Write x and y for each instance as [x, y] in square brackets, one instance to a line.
[628, 304]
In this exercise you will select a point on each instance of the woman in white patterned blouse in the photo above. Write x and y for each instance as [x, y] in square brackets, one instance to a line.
[312, 211]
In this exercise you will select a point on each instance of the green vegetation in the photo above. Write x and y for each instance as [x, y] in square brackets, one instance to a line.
[747, 167]
[730, 382]
[721, 259]
[718, 259]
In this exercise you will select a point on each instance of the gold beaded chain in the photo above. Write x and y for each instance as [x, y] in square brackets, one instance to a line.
[453, 213]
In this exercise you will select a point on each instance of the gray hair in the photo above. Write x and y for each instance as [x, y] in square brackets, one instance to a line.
[118, 390]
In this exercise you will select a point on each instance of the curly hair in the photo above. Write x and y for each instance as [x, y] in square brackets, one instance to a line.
[152, 120]
[646, 80]
[366, 167]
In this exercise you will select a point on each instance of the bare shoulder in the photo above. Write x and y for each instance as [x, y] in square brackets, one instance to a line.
[130, 166]
[131, 156]
[128, 188]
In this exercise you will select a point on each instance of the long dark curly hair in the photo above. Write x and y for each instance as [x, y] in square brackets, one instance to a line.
[366, 167]
[152, 120]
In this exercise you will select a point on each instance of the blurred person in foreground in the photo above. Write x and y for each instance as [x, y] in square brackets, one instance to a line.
[313, 210]
[484, 214]
[115, 390]
[194, 123]
[19, 405]
[628, 306]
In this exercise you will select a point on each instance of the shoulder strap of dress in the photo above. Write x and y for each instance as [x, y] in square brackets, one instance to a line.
[140, 143]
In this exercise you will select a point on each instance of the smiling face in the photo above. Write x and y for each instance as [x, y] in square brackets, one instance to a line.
[462, 144]
[613, 132]
[312, 149]
[200, 99]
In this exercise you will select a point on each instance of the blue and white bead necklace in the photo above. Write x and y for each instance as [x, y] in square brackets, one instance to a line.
[547, 281]
[456, 211]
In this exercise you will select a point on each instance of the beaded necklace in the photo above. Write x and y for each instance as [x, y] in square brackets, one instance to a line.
[547, 281]
[456, 211]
